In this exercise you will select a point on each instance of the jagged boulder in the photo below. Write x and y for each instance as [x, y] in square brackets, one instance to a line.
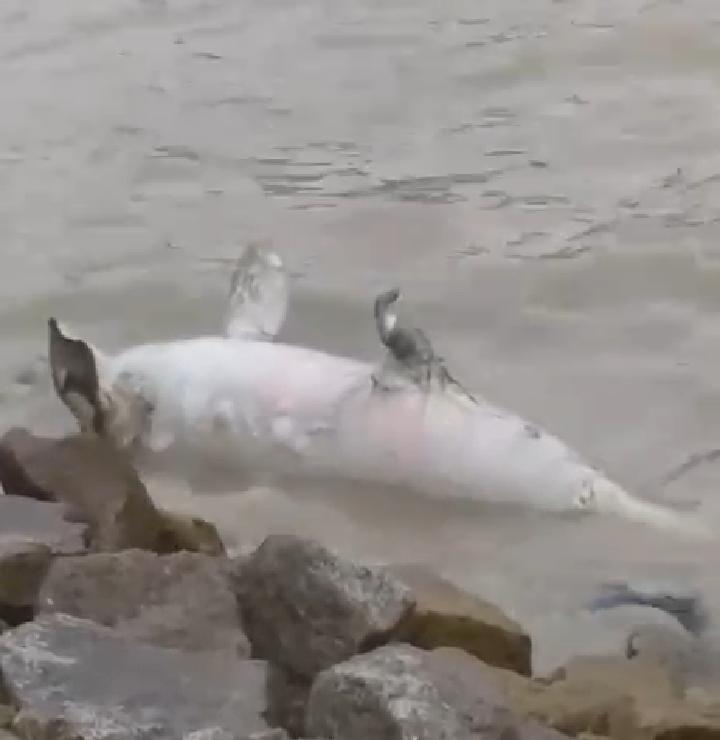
[399, 691]
[181, 600]
[72, 678]
[305, 608]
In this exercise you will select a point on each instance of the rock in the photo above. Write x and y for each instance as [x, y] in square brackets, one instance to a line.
[593, 694]
[182, 600]
[186, 532]
[287, 697]
[98, 486]
[72, 678]
[304, 608]
[7, 714]
[613, 697]
[446, 616]
[43, 523]
[23, 565]
[676, 723]
[5, 735]
[399, 691]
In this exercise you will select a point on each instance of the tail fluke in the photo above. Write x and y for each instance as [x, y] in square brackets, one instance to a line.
[612, 499]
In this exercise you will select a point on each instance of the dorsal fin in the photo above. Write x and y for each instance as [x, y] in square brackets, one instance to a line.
[258, 299]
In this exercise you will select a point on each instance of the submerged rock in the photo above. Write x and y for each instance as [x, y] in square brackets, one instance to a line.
[97, 485]
[304, 608]
[72, 676]
[186, 532]
[182, 600]
[447, 616]
[398, 692]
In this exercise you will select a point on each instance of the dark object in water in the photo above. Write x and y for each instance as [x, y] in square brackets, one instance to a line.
[688, 610]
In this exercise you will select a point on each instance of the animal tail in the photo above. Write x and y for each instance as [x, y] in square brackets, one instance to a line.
[613, 499]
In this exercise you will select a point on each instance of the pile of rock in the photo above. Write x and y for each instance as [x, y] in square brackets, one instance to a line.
[123, 622]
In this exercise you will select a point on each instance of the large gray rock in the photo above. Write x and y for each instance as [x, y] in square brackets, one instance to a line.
[74, 679]
[304, 608]
[182, 600]
[399, 692]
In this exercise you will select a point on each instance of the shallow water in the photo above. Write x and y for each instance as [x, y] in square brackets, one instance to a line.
[541, 178]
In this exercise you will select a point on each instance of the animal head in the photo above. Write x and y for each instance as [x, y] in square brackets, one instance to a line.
[100, 404]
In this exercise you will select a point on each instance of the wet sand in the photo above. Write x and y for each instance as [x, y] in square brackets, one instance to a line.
[541, 178]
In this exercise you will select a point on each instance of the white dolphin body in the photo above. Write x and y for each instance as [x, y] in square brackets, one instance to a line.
[243, 404]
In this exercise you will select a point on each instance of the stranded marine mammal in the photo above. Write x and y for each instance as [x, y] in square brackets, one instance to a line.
[243, 401]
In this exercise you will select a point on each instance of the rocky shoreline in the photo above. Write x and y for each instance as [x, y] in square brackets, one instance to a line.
[121, 621]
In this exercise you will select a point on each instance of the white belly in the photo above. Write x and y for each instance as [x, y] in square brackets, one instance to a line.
[263, 406]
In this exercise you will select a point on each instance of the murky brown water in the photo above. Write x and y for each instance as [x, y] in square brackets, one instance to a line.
[542, 178]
